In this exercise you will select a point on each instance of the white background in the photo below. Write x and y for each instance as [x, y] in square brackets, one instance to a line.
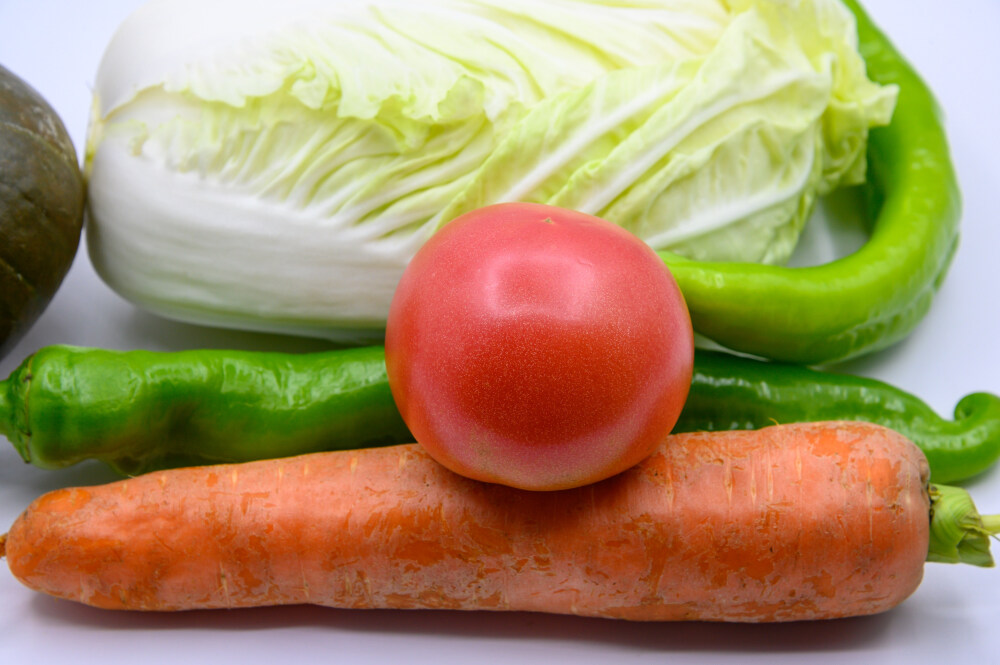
[953, 617]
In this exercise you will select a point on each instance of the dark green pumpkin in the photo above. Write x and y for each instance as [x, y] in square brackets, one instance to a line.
[41, 206]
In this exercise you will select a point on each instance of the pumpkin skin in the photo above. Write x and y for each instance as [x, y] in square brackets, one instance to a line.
[42, 201]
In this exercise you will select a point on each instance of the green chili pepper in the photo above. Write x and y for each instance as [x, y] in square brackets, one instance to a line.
[140, 410]
[869, 299]
[729, 392]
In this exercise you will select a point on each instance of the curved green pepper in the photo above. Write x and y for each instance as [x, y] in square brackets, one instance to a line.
[729, 392]
[869, 299]
[139, 410]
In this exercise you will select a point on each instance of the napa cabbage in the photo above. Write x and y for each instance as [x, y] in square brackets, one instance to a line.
[273, 165]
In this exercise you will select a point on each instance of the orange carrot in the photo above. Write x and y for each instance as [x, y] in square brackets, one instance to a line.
[789, 522]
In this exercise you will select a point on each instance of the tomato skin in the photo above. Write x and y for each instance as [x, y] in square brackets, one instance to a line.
[538, 347]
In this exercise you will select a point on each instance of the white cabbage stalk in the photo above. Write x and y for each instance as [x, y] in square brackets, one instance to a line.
[273, 165]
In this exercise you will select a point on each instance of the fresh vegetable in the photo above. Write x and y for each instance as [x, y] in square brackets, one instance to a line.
[321, 144]
[141, 410]
[785, 523]
[41, 206]
[869, 299]
[729, 392]
[538, 347]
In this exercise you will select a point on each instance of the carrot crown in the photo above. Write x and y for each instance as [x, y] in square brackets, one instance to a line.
[959, 534]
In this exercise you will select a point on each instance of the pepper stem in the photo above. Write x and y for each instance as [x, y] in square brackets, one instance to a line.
[959, 534]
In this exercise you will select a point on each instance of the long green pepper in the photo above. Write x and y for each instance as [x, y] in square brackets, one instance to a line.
[729, 392]
[139, 410]
[874, 297]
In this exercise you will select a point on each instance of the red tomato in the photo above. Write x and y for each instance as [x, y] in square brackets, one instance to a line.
[538, 347]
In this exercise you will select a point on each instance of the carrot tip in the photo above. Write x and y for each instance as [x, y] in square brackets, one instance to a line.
[3, 545]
